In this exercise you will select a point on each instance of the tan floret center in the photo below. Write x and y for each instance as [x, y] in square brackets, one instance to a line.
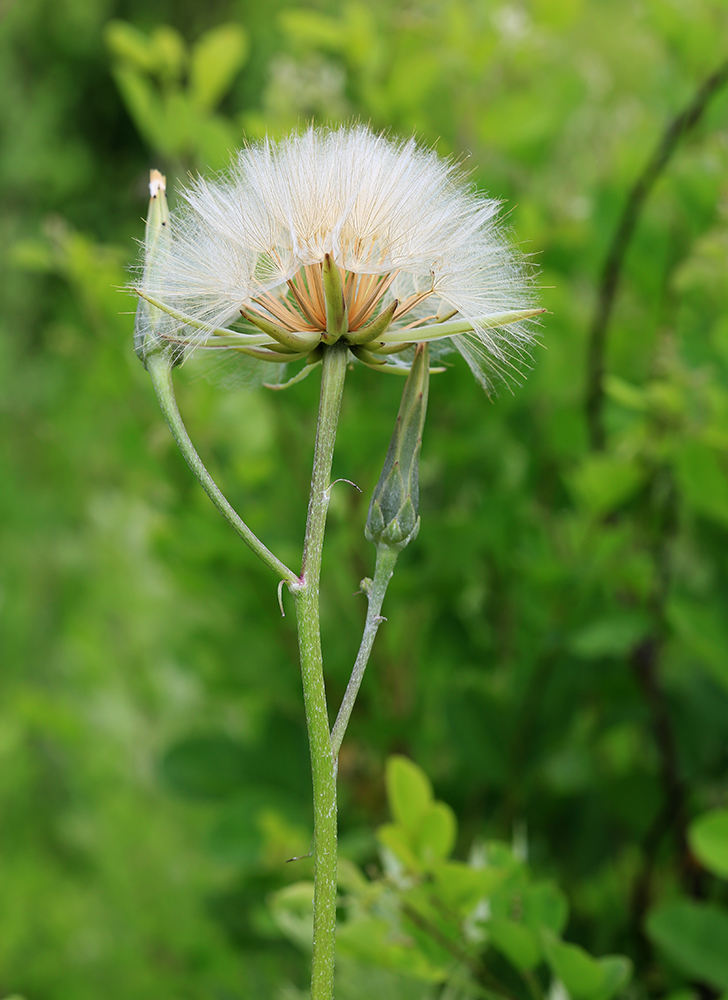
[303, 306]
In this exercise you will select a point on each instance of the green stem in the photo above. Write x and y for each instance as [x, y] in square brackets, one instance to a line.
[383, 570]
[159, 367]
[306, 593]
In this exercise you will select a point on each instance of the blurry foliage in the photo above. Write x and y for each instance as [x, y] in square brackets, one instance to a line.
[177, 120]
[556, 650]
[482, 927]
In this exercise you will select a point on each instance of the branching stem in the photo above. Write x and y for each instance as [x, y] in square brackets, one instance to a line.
[386, 560]
[160, 369]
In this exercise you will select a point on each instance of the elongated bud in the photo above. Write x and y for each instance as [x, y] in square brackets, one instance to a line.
[393, 513]
[151, 323]
[337, 320]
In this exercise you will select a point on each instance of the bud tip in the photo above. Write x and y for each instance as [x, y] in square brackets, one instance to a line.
[157, 183]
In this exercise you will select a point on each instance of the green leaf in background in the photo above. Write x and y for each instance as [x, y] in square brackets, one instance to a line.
[131, 45]
[703, 481]
[617, 973]
[215, 60]
[545, 906]
[461, 886]
[518, 943]
[579, 972]
[627, 395]
[603, 482]
[397, 840]
[703, 630]
[175, 116]
[708, 838]
[170, 52]
[436, 836]
[584, 977]
[612, 636]
[371, 940]
[163, 53]
[143, 103]
[292, 910]
[695, 937]
[409, 792]
[310, 28]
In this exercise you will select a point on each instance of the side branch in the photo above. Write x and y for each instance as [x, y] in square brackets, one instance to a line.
[160, 370]
[386, 559]
[612, 271]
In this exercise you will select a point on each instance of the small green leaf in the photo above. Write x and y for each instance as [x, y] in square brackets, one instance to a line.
[128, 43]
[292, 910]
[311, 30]
[579, 972]
[704, 481]
[624, 393]
[708, 837]
[409, 792]
[695, 937]
[613, 636]
[142, 103]
[518, 943]
[372, 941]
[216, 59]
[603, 482]
[436, 837]
[396, 839]
[703, 630]
[617, 972]
[545, 906]
[462, 886]
[170, 52]
[584, 977]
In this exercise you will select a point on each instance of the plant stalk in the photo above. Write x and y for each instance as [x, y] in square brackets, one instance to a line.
[383, 570]
[323, 760]
[159, 367]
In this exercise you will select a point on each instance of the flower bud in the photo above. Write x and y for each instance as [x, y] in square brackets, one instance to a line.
[150, 323]
[393, 518]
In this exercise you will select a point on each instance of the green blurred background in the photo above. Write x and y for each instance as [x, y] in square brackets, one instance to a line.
[556, 650]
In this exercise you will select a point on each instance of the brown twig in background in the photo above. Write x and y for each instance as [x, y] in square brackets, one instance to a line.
[612, 270]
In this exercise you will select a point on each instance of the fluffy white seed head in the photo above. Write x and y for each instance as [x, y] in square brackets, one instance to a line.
[378, 207]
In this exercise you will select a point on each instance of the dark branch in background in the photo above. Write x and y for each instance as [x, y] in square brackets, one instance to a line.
[612, 271]
[673, 815]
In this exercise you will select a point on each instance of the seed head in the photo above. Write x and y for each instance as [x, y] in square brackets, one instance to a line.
[340, 234]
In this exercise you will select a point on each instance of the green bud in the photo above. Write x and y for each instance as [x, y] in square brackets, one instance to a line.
[150, 322]
[337, 319]
[393, 518]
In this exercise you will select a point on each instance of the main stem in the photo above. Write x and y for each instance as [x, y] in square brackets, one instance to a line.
[323, 760]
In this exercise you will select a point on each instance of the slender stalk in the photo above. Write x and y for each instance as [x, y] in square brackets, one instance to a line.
[383, 570]
[612, 269]
[160, 368]
[306, 593]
